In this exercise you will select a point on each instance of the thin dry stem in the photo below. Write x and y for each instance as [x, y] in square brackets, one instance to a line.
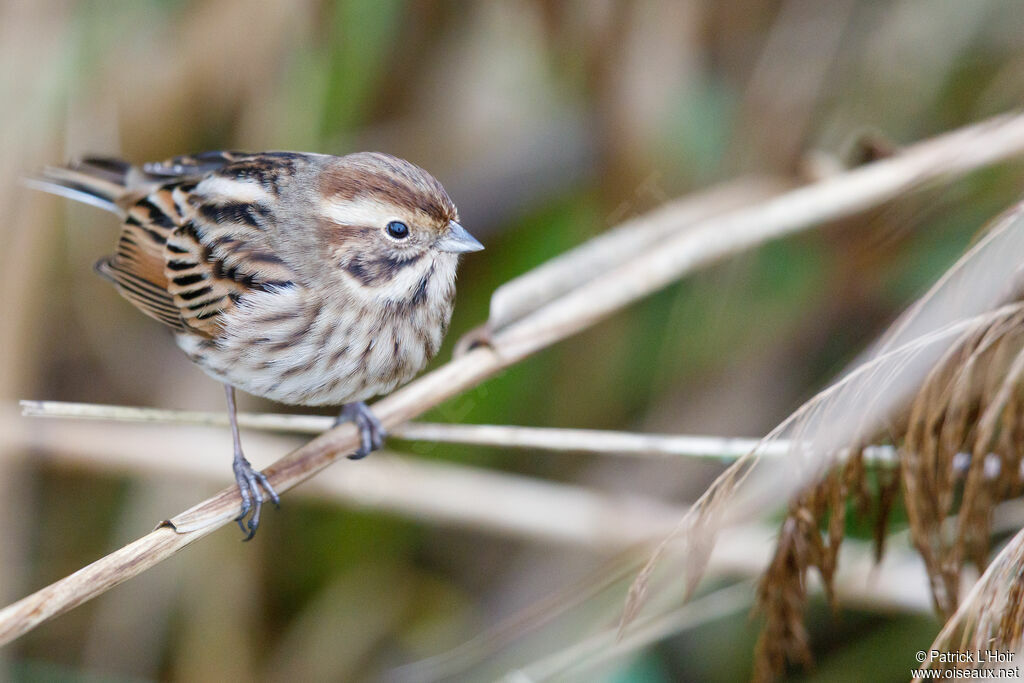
[501, 436]
[524, 294]
[946, 156]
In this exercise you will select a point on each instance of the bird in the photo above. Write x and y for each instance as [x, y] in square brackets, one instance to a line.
[308, 279]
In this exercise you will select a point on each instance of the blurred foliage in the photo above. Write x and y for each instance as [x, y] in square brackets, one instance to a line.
[544, 120]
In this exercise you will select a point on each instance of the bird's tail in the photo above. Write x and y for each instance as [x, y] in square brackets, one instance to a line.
[98, 181]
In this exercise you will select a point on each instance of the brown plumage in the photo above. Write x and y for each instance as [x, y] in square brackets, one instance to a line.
[305, 278]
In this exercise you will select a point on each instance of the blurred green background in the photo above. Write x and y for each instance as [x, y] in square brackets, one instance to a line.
[548, 122]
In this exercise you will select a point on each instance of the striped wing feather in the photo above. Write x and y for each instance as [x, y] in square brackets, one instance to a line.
[210, 266]
[147, 297]
[186, 259]
[138, 266]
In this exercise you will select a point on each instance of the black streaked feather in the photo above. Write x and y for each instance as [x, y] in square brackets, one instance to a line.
[183, 259]
[152, 300]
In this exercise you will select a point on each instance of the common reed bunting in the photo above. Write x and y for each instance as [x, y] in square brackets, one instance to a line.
[304, 278]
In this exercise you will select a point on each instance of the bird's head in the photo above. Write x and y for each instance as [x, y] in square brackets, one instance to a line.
[387, 224]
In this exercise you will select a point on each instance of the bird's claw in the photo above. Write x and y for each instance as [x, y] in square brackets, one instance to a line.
[371, 431]
[251, 485]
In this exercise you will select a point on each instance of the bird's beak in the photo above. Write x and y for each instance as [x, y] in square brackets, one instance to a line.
[458, 240]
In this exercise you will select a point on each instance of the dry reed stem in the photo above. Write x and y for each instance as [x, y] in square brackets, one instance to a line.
[441, 493]
[946, 156]
[565, 272]
[501, 436]
[598, 441]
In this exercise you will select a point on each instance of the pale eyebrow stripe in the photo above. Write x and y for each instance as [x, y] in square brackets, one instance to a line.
[362, 211]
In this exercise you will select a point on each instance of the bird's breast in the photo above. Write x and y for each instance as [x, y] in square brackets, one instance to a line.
[298, 348]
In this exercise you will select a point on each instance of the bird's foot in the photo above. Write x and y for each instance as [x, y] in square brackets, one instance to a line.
[371, 431]
[251, 485]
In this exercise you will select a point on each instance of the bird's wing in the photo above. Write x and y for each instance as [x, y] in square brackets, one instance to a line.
[138, 266]
[189, 250]
[193, 164]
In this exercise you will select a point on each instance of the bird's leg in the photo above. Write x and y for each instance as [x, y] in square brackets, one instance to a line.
[249, 479]
[371, 431]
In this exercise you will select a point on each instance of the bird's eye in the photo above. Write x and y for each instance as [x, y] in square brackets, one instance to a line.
[398, 230]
